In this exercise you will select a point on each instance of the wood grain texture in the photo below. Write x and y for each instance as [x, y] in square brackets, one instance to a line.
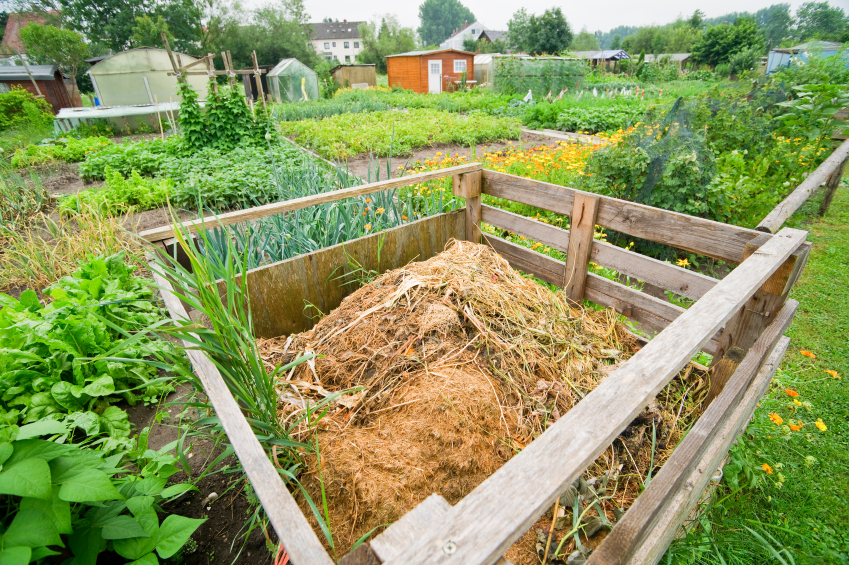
[487, 521]
[529, 261]
[466, 185]
[653, 312]
[473, 219]
[775, 219]
[581, 234]
[831, 188]
[397, 536]
[621, 544]
[279, 292]
[686, 283]
[292, 528]
[652, 550]
[362, 555]
[690, 233]
[228, 218]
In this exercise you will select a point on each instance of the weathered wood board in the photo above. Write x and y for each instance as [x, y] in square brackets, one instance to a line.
[280, 293]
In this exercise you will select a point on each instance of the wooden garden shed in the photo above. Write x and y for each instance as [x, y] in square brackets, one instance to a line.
[429, 71]
[350, 75]
[50, 81]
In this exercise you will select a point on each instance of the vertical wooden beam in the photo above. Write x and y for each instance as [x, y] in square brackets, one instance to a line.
[468, 186]
[177, 70]
[831, 187]
[581, 231]
[759, 312]
[210, 69]
[258, 77]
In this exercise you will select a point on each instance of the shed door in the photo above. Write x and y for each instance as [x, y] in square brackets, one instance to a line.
[434, 76]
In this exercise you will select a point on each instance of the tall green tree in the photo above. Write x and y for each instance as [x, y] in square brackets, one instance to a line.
[62, 47]
[389, 39]
[584, 41]
[819, 20]
[111, 22]
[547, 33]
[776, 24]
[439, 18]
[720, 42]
[148, 32]
[617, 42]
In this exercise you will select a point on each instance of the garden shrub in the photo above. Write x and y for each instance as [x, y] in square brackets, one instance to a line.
[19, 108]
[595, 120]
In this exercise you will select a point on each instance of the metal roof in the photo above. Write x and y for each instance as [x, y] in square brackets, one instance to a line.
[606, 55]
[431, 52]
[812, 46]
[95, 60]
[336, 30]
[18, 72]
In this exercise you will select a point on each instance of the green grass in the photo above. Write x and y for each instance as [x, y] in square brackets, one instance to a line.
[807, 513]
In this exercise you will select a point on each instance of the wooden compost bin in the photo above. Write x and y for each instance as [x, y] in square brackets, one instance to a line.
[740, 319]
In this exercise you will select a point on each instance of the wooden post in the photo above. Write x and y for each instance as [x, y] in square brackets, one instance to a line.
[26, 68]
[230, 67]
[177, 70]
[468, 186]
[581, 232]
[210, 70]
[759, 312]
[258, 76]
[831, 187]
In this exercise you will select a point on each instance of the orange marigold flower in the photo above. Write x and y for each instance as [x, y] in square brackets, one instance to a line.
[767, 468]
[776, 419]
[796, 427]
[368, 227]
[808, 354]
[833, 373]
[791, 393]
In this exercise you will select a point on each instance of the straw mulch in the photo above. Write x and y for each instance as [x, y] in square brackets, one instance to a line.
[453, 366]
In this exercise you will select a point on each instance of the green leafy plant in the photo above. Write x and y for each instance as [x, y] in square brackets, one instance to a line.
[119, 194]
[71, 150]
[813, 110]
[63, 496]
[71, 359]
[19, 108]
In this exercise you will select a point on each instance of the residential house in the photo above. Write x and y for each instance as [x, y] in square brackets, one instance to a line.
[12, 44]
[473, 30]
[337, 41]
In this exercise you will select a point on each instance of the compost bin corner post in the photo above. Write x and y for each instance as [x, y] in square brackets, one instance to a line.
[581, 231]
[468, 186]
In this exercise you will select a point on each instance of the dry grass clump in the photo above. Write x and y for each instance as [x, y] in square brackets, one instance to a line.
[456, 364]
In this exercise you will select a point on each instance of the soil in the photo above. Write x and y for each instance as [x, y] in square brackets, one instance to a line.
[359, 165]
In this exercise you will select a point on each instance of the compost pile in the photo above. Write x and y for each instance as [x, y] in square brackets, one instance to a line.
[452, 365]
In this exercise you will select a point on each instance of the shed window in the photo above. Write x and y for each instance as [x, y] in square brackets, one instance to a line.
[347, 45]
[356, 45]
[460, 66]
[327, 46]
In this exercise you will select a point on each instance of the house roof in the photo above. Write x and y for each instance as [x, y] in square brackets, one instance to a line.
[606, 55]
[12, 38]
[431, 52]
[672, 57]
[336, 30]
[493, 35]
[340, 65]
[811, 46]
[460, 31]
[18, 72]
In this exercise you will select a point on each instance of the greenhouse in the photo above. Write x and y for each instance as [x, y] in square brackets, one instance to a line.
[540, 74]
[292, 81]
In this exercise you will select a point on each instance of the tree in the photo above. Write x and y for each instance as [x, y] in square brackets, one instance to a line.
[390, 39]
[617, 42]
[818, 20]
[111, 22]
[4, 17]
[481, 46]
[775, 22]
[584, 41]
[720, 42]
[62, 47]
[696, 20]
[440, 18]
[147, 32]
[548, 33]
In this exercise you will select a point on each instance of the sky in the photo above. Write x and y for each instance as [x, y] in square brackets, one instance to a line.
[599, 15]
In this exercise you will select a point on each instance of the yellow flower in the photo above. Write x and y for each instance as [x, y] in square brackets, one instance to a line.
[368, 227]
[683, 262]
[380, 210]
[796, 402]
[821, 425]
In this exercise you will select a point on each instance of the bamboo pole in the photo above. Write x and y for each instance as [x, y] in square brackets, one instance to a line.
[258, 77]
[26, 68]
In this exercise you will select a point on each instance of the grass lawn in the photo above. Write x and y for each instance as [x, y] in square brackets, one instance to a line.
[792, 505]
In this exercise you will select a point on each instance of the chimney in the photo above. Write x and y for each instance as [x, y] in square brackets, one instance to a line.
[344, 21]
[466, 24]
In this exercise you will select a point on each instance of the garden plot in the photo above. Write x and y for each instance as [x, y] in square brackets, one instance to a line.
[455, 364]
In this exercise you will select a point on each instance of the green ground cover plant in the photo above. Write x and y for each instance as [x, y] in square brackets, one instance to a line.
[119, 194]
[63, 500]
[70, 359]
[397, 132]
[70, 149]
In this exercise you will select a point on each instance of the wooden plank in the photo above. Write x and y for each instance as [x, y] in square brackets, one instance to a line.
[775, 219]
[686, 283]
[653, 312]
[279, 292]
[293, 530]
[621, 544]
[690, 233]
[581, 235]
[652, 550]
[228, 218]
[481, 528]
[397, 536]
[468, 186]
[831, 188]
[529, 261]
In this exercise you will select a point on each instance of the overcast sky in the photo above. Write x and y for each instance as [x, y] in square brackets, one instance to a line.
[595, 15]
